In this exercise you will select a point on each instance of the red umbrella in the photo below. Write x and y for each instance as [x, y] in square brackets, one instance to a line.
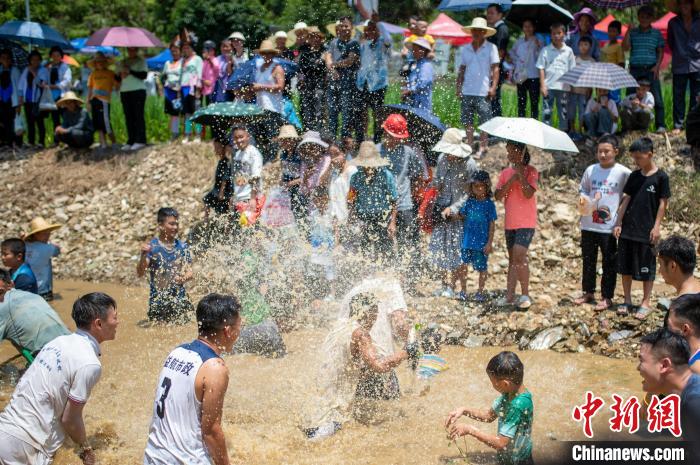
[122, 36]
[449, 30]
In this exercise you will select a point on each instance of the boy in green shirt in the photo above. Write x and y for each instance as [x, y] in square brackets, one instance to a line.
[513, 409]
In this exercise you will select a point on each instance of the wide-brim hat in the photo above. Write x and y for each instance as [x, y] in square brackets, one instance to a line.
[280, 35]
[674, 5]
[237, 35]
[332, 28]
[67, 97]
[267, 46]
[423, 43]
[312, 137]
[288, 131]
[314, 30]
[452, 143]
[479, 23]
[100, 57]
[39, 224]
[586, 12]
[369, 157]
[292, 35]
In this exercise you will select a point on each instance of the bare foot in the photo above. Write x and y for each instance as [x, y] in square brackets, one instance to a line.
[584, 299]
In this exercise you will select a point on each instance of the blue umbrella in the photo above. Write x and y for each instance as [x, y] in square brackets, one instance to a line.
[34, 34]
[464, 5]
[244, 74]
[80, 47]
[156, 63]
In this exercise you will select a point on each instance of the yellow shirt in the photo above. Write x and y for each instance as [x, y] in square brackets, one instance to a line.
[428, 37]
[612, 53]
[102, 82]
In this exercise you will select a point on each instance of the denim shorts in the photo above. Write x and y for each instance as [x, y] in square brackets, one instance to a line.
[476, 258]
[522, 237]
[475, 105]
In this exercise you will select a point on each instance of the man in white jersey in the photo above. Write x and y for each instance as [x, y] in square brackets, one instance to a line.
[186, 425]
[48, 401]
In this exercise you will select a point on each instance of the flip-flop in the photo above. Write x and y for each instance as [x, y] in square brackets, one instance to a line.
[624, 309]
[642, 313]
[584, 299]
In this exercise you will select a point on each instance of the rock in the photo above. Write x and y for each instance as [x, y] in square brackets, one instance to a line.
[620, 335]
[261, 339]
[552, 260]
[474, 341]
[60, 215]
[562, 214]
[453, 337]
[74, 207]
[547, 338]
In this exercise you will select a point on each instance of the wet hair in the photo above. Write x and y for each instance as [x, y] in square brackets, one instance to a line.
[617, 25]
[361, 302]
[34, 53]
[91, 307]
[15, 245]
[586, 39]
[610, 139]
[643, 145]
[5, 276]
[215, 311]
[679, 249]
[498, 7]
[482, 177]
[523, 148]
[506, 365]
[687, 307]
[165, 212]
[646, 10]
[667, 344]
[644, 82]
[56, 48]
[556, 27]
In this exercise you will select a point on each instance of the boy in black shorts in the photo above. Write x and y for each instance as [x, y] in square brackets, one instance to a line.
[638, 226]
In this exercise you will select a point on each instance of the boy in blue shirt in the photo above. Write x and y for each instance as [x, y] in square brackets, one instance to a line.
[40, 252]
[168, 261]
[513, 409]
[13, 252]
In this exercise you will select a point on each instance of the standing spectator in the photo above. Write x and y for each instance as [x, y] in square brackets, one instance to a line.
[584, 21]
[554, 61]
[191, 86]
[48, 403]
[477, 80]
[210, 72]
[225, 64]
[269, 79]
[526, 75]
[246, 169]
[494, 19]
[408, 172]
[133, 72]
[281, 44]
[638, 226]
[60, 82]
[171, 77]
[601, 114]
[373, 77]
[240, 55]
[101, 83]
[299, 35]
[31, 86]
[343, 61]
[517, 186]
[637, 110]
[684, 41]
[312, 80]
[613, 53]
[418, 92]
[9, 99]
[646, 47]
[76, 129]
[288, 140]
[578, 96]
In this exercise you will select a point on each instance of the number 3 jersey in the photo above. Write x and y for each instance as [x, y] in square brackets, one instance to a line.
[175, 435]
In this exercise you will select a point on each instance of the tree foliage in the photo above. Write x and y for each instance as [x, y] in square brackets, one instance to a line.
[313, 12]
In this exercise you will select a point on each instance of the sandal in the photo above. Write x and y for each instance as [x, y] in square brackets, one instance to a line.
[642, 313]
[603, 305]
[624, 309]
[584, 299]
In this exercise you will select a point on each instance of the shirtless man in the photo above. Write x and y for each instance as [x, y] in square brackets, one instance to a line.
[186, 425]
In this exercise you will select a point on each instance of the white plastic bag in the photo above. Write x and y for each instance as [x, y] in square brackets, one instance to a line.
[46, 102]
[19, 125]
[277, 211]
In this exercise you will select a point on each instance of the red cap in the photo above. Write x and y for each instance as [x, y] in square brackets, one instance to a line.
[396, 126]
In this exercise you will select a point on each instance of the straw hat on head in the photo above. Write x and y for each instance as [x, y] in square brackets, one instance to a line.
[452, 143]
[288, 131]
[292, 35]
[423, 43]
[280, 35]
[38, 225]
[312, 137]
[267, 46]
[301, 25]
[479, 23]
[368, 156]
[67, 97]
[237, 35]
[100, 58]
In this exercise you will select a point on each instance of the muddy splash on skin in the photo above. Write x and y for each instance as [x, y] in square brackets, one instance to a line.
[266, 397]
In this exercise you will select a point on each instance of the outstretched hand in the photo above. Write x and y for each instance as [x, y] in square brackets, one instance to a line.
[453, 416]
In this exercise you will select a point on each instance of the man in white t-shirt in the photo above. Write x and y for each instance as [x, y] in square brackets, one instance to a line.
[637, 110]
[186, 425]
[246, 168]
[553, 62]
[477, 79]
[48, 401]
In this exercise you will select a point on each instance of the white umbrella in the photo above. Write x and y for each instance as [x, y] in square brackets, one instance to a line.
[530, 132]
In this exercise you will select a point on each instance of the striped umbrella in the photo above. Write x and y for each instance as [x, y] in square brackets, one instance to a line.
[599, 75]
[618, 4]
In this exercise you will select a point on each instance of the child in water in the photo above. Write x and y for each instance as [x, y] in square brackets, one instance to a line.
[513, 409]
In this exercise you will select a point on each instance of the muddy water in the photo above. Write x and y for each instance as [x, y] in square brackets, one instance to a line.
[265, 398]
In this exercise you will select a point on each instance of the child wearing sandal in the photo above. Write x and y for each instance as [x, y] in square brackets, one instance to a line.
[638, 225]
[601, 191]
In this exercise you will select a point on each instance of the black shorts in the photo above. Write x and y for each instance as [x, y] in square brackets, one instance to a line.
[636, 259]
[170, 109]
[522, 237]
[100, 115]
[189, 104]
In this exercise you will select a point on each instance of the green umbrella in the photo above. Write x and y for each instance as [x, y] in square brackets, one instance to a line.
[227, 112]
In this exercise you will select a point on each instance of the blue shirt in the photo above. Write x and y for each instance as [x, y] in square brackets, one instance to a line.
[24, 279]
[164, 265]
[420, 84]
[39, 255]
[375, 197]
[374, 65]
[478, 215]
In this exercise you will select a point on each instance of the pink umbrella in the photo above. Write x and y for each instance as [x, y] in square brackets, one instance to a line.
[122, 36]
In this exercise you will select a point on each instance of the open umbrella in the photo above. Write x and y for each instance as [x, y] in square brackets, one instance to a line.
[543, 12]
[617, 4]
[20, 57]
[229, 112]
[464, 5]
[80, 47]
[70, 61]
[599, 75]
[122, 36]
[530, 132]
[425, 128]
[34, 34]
